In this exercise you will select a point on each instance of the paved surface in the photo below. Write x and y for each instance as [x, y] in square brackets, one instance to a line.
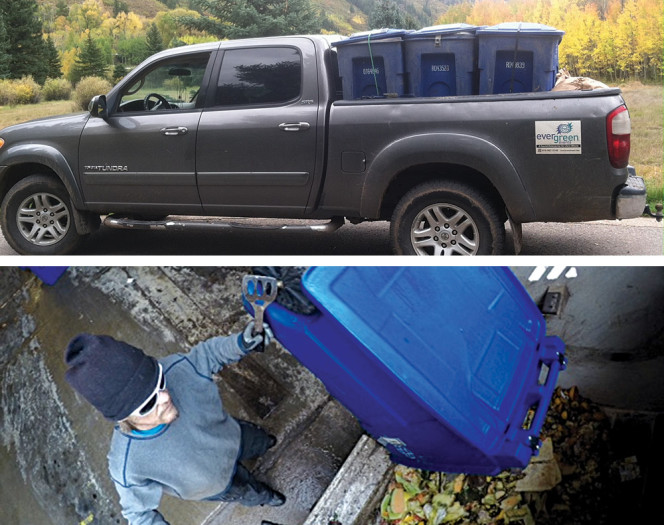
[642, 236]
[631, 237]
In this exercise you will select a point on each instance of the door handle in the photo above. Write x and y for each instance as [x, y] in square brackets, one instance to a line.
[171, 132]
[294, 126]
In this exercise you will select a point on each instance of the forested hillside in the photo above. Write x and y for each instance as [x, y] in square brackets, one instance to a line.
[608, 39]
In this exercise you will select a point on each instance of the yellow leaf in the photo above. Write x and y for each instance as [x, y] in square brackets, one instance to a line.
[458, 483]
[398, 502]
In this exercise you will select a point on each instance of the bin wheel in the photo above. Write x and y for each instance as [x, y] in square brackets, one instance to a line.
[446, 218]
[37, 217]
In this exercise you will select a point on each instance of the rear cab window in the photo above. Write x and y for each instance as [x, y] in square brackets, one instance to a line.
[259, 77]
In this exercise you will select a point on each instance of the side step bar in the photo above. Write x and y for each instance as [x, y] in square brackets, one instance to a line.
[213, 223]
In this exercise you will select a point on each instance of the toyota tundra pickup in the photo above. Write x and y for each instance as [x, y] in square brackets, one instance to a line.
[258, 128]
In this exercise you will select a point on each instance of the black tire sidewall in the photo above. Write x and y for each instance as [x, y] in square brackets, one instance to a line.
[490, 228]
[15, 196]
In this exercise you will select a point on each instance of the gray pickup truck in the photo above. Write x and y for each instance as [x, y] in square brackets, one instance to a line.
[257, 128]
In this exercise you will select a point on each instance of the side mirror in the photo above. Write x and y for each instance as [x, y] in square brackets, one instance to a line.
[97, 107]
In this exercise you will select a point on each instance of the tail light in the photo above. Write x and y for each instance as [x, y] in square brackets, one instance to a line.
[618, 129]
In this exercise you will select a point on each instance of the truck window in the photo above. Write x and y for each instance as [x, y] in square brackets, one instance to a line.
[259, 76]
[171, 84]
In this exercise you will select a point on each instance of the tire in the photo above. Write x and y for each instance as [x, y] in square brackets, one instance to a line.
[446, 218]
[24, 208]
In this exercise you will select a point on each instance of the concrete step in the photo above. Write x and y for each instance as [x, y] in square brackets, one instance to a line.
[356, 491]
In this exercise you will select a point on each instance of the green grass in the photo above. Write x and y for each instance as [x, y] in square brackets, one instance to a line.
[22, 113]
[646, 109]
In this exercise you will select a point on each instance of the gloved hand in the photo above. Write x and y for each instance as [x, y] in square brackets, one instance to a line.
[256, 341]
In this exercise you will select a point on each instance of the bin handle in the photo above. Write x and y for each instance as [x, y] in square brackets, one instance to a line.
[554, 357]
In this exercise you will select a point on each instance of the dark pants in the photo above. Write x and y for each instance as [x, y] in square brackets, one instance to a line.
[244, 488]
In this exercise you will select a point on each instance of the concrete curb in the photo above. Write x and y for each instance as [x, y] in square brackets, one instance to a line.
[356, 489]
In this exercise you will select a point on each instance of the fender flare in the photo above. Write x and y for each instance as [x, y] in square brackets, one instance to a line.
[50, 157]
[446, 148]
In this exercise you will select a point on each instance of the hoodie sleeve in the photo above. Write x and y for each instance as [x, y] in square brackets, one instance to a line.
[212, 355]
[139, 503]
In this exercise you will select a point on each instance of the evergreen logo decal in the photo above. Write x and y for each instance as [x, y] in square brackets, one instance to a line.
[558, 138]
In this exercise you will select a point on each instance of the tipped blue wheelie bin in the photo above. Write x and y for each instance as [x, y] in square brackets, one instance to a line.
[449, 368]
[371, 64]
[518, 57]
[441, 60]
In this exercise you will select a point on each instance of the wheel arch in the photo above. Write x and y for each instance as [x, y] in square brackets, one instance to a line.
[20, 164]
[24, 160]
[416, 175]
[413, 160]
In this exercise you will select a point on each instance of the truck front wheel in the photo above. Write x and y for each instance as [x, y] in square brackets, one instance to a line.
[446, 218]
[37, 217]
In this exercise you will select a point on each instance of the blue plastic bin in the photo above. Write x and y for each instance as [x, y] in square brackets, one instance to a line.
[517, 57]
[441, 60]
[449, 368]
[48, 274]
[371, 64]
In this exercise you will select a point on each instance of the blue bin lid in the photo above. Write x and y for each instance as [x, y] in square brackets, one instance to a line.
[444, 29]
[527, 28]
[373, 35]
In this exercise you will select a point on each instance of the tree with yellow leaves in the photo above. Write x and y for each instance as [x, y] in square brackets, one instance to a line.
[610, 39]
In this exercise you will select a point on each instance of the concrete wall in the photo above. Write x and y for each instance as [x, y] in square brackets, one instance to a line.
[612, 321]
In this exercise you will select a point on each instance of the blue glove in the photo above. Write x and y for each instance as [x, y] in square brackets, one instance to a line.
[256, 341]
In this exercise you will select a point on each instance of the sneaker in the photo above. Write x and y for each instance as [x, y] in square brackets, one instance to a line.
[277, 499]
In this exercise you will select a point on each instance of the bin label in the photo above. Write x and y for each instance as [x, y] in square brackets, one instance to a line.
[558, 137]
[398, 445]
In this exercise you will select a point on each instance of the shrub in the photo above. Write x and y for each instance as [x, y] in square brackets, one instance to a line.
[21, 91]
[87, 88]
[27, 91]
[56, 89]
[6, 93]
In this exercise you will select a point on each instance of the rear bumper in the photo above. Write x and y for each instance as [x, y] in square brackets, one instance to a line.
[631, 199]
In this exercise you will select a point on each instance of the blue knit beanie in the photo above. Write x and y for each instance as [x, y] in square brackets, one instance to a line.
[115, 377]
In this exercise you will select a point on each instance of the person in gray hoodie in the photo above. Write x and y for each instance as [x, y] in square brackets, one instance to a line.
[173, 434]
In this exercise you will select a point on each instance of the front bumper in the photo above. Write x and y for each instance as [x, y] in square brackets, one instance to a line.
[631, 199]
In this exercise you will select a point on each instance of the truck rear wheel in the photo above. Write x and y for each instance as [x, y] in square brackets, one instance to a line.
[37, 217]
[446, 218]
